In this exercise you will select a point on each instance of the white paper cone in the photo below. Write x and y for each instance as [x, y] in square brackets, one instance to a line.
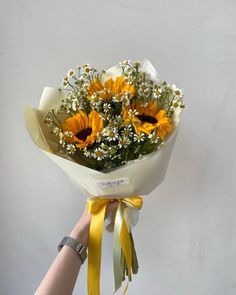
[138, 177]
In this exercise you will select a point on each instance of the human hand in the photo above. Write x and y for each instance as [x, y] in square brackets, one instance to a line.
[81, 230]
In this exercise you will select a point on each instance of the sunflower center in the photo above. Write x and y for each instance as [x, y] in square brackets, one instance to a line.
[82, 134]
[148, 119]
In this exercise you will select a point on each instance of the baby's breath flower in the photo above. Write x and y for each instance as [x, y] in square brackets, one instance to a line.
[116, 98]
[75, 105]
[96, 107]
[124, 63]
[81, 79]
[98, 137]
[99, 154]
[116, 156]
[106, 107]
[64, 83]
[112, 150]
[70, 73]
[165, 86]
[157, 92]
[145, 89]
[129, 70]
[132, 113]
[126, 99]
[153, 137]
[56, 131]
[57, 109]
[131, 80]
[48, 119]
[71, 149]
[139, 137]
[176, 91]
[112, 134]
[82, 91]
[96, 100]
[105, 131]
[88, 70]
[127, 131]
[137, 64]
[87, 153]
[123, 142]
[95, 97]
[114, 122]
[105, 117]
[62, 139]
[104, 146]
[119, 119]
[68, 134]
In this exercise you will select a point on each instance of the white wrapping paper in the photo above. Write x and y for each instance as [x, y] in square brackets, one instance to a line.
[139, 176]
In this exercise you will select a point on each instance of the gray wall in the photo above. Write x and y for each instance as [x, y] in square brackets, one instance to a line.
[186, 233]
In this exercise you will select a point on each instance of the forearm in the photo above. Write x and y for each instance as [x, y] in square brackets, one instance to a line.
[61, 277]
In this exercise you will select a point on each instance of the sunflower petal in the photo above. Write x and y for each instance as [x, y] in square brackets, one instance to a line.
[109, 84]
[81, 121]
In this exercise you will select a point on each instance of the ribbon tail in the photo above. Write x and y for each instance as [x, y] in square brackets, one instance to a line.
[94, 251]
[117, 253]
[123, 266]
[122, 251]
[135, 265]
[126, 288]
[124, 272]
[126, 247]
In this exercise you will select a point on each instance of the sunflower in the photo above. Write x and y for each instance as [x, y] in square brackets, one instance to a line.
[145, 119]
[84, 128]
[110, 88]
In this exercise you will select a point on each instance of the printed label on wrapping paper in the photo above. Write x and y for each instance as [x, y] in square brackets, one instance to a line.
[105, 184]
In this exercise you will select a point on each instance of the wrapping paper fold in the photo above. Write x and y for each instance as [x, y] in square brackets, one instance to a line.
[139, 176]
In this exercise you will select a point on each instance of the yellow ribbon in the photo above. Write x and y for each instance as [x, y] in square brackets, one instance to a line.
[97, 208]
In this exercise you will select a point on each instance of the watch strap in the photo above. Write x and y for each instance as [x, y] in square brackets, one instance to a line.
[75, 245]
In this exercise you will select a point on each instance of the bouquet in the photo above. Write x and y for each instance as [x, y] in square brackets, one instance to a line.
[112, 132]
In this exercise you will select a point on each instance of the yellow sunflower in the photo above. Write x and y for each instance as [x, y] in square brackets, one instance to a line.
[110, 88]
[83, 127]
[148, 119]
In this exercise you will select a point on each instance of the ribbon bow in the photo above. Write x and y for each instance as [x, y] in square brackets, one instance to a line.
[124, 255]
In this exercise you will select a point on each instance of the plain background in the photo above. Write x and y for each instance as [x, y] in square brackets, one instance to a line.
[186, 237]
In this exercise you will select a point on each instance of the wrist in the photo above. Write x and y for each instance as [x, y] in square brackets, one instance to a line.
[81, 230]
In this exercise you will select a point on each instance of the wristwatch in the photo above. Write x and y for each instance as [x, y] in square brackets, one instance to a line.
[75, 245]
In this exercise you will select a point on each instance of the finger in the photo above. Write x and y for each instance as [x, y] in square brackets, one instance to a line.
[111, 208]
[110, 227]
